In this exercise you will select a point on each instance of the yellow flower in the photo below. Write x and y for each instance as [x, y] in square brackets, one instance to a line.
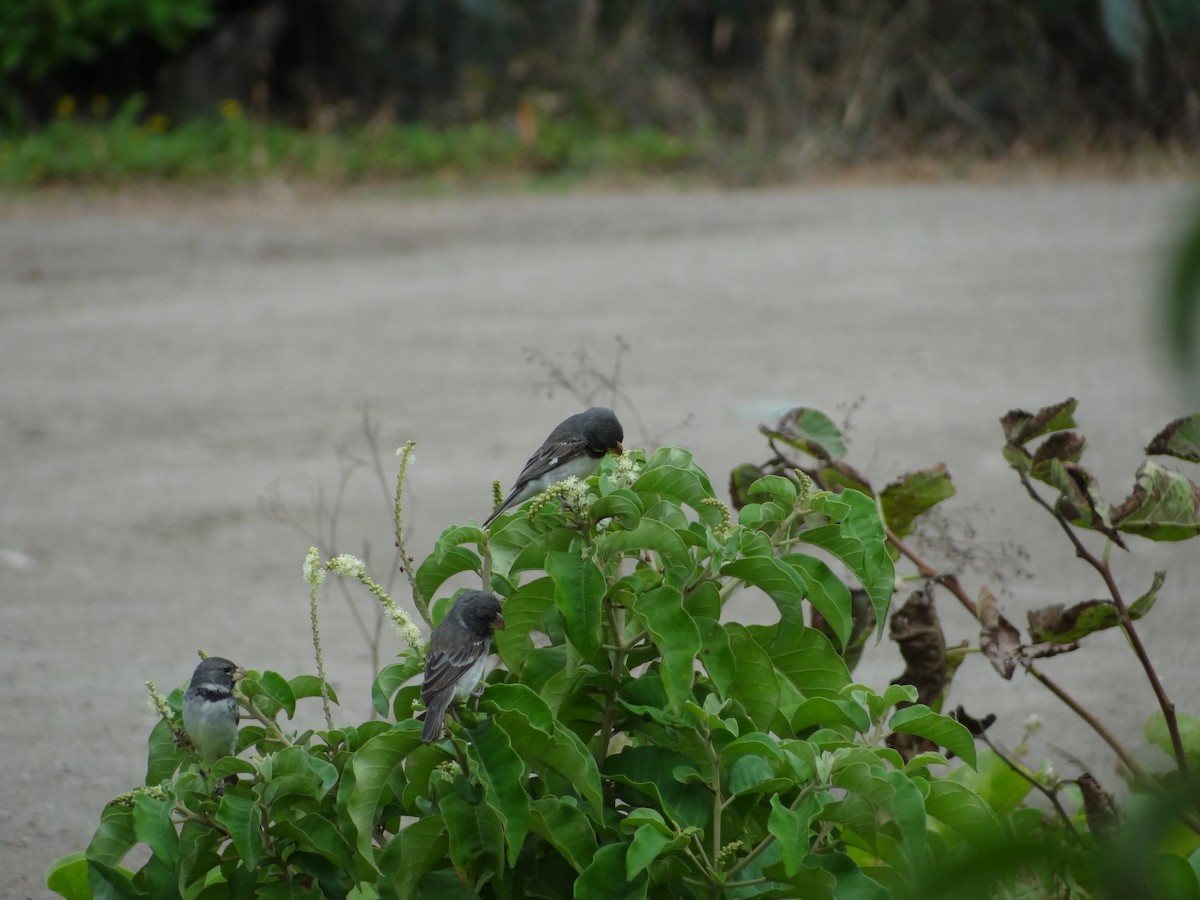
[99, 105]
[230, 109]
[156, 122]
[65, 107]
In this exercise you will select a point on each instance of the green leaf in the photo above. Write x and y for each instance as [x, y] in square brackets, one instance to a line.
[830, 711]
[775, 487]
[1020, 427]
[654, 535]
[318, 834]
[791, 828]
[965, 812]
[579, 588]
[623, 506]
[1189, 733]
[605, 878]
[114, 837]
[716, 655]
[671, 473]
[649, 842]
[913, 494]
[809, 430]
[531, 725]
[270, 692]
[858, 540]
[371, 770]
[394, 676]
[1164, 506]
[68, 877]
[675, 635]
[783, 583]
[829, 595]
[241, 817]
[310, 686]
[439, 567]
[412, 853]
[109, 882]
[805, 657]
[564, 826]
[501, 771]
[754, 775]
[524, 612]
[153, 826]
[942, 730]
[1180, 439]
[645, 768]
[476, 837]
[165, 756]
[755, 683]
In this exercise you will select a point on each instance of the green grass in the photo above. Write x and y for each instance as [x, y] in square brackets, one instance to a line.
[232, 148]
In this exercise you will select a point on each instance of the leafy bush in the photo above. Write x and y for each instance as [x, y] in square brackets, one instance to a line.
[37, 37]
[636, 743]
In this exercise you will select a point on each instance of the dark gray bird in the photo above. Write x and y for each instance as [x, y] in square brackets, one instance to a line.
[458, 651]
[575, 447]
[210, 714]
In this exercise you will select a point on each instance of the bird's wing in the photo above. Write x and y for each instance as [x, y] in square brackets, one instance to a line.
[563, 444]
[444, 667]
[549, 457]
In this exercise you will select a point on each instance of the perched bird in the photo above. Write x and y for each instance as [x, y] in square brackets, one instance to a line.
[458, 650]
[210, 714]
[575, 447]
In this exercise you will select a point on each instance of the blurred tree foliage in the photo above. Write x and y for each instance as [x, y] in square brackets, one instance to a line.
[861, 77]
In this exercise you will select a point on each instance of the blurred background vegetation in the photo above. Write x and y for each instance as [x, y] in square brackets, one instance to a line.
[354, 88]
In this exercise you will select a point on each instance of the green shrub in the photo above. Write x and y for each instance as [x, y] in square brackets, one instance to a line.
[635, 742]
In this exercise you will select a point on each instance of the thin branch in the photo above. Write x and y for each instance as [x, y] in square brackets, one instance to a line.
[951, 583]
[1105, 570]
[1051, 795]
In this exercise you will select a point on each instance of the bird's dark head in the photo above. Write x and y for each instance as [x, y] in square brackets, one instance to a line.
[479, 612]
[602, 431]
[219, 671]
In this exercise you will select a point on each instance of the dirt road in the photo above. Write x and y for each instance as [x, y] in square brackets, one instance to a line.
[169, 363]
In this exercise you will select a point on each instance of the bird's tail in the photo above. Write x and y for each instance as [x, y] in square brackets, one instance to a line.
[434, 714]
[508, 501]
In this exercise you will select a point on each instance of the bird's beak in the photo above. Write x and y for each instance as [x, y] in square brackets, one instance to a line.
[617, 450]
[498, 623]
[238, 674]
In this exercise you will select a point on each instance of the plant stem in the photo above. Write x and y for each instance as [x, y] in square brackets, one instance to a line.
[620, 650]
[1105, 570]
[766, 841]
[406, 561]
[251, 707]
[718, 804]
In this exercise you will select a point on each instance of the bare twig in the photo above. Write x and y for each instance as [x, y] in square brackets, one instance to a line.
[1105, 571]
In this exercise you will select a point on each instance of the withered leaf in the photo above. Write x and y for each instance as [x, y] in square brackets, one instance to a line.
[973, 725]
[916, 628]
[809, 430]
[740, 479]
[1164, 506]
[1021, 426]
[837, 475]
[1180, 439]
[1066, 446]
[913, 494]
[1057, 624]
[999, 640]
